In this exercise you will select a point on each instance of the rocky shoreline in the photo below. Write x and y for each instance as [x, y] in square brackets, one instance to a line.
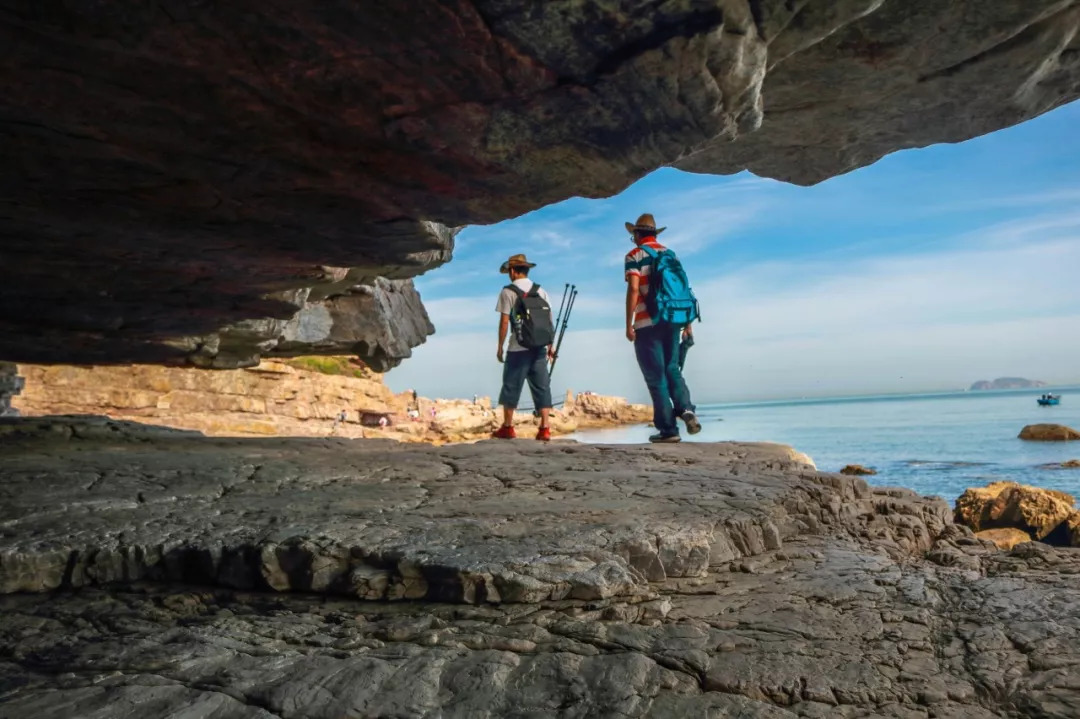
[149, 571]
[303, 397]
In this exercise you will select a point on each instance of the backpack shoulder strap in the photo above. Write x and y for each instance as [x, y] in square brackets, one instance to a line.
[649, 251]
[534, 291]
[515, 289]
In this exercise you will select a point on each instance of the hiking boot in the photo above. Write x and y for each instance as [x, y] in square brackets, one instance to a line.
[665, 438]
[544, 434]
[504, 432]
[692, 424]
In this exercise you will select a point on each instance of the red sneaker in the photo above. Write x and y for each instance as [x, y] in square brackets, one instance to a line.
[544, 434]
[504, 432]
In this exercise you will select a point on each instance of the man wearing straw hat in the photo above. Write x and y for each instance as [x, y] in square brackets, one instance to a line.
[656, 343]
[522, 363]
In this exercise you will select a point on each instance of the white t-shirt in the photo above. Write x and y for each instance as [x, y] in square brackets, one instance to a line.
[505, 305]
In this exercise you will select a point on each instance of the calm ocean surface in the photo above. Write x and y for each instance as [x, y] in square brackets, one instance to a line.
[935, 444]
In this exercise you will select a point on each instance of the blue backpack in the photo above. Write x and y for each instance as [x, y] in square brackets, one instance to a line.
[670, 298]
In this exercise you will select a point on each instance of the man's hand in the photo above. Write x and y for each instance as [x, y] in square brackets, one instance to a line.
[631, 334]
[551, 352]
[499, 354]
[687, 331]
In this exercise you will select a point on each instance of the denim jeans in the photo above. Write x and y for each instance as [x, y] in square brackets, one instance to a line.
[521, 365]
[657, 350]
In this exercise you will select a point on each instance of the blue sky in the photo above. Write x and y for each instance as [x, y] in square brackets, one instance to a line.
[929, 270]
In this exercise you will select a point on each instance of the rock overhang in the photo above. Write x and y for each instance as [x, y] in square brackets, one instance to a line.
[211, 184]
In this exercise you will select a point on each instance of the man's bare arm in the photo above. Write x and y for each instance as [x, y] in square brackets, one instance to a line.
[633, 285]
[504, 326]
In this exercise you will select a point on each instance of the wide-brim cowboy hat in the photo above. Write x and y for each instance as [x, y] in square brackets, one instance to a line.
[515, 261]
[645, 223]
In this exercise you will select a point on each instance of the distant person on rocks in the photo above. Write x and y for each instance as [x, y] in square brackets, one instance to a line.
[525, 315]
[659, 309]
[339, 419]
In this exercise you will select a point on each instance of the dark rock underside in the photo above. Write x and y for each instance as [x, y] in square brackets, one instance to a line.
[362, 579]
[182, 180]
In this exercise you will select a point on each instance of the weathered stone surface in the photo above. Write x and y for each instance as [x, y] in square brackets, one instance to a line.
[857, 470]
[1041, 514]
[274, 398]
[380, 322]
[479, 523]
[849, 81]
[1048, 433]
[597, 410]
[1034, 510]
[199, 182]
[301, 397]
[1005, 537]
[693, 606]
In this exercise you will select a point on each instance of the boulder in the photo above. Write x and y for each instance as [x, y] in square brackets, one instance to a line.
[185, 181]
[1004, 538]
[1048, 433]
[596, 410]
[857, 470]
[1039, 512]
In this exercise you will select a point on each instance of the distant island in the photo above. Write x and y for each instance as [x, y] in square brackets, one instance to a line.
[1007, 383]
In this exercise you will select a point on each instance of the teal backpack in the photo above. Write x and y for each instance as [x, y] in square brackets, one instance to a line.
[670, 298]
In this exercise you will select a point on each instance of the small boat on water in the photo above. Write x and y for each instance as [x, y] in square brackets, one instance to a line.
[1049, 399]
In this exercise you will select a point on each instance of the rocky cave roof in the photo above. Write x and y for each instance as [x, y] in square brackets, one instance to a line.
[214, 182]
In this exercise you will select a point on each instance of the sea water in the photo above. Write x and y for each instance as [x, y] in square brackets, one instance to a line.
[935, 444]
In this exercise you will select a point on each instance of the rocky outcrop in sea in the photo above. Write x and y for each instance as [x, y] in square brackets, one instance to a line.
[1048, 433]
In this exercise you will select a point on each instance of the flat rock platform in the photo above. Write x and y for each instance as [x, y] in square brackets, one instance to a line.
[147, 572]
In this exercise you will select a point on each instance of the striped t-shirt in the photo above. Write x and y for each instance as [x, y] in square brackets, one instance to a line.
[638, 263]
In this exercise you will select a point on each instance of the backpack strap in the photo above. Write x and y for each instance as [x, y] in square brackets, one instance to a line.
[516, 310]
[534, 291]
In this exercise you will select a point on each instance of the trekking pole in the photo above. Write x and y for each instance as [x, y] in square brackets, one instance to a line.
[566, 288]
[562, 330]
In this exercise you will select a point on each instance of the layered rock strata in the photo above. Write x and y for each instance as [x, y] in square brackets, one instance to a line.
[561, 581]
[182, 180]
[274, 398]
[304, 397]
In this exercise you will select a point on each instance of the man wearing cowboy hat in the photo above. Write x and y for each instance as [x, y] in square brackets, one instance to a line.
[656, 344]
[521, 363]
